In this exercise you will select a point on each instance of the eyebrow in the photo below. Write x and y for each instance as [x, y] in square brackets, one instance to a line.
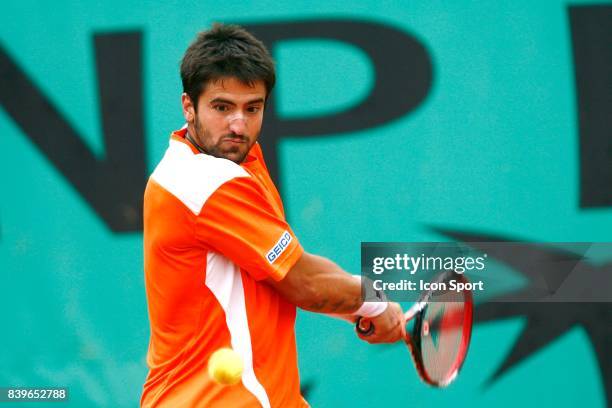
[222, 100]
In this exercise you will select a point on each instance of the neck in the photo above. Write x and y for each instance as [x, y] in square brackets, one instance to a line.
[193, 142]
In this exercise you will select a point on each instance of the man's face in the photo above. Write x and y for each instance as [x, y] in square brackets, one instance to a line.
[228, 118]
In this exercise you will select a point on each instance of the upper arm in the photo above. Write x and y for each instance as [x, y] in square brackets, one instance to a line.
[240, 222]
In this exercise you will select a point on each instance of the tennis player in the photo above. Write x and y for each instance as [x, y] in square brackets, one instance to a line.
[222, 266]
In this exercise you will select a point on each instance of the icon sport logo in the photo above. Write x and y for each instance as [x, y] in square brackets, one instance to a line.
[279, 247]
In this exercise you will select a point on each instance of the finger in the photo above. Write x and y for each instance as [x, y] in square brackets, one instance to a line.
[392, 334]
[402, 326]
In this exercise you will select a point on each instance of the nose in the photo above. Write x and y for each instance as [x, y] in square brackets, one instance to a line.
[237, 124]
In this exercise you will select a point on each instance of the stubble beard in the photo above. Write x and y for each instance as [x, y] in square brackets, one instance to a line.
[233, 153]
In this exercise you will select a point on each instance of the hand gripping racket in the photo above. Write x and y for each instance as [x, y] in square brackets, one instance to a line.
[438, 329]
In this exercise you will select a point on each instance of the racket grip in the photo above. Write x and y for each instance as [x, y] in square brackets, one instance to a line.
[364, 329]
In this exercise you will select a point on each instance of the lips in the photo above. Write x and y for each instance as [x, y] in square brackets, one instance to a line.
[237, 140]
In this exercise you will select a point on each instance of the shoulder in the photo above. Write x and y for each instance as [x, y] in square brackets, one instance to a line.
[193, 178]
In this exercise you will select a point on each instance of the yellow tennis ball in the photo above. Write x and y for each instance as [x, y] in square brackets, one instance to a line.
[225, 366]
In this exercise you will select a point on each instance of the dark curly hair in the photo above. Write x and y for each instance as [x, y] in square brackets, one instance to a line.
[225, 51]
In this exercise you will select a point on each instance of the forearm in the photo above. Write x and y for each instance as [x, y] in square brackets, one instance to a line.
[319, 285]
[330, 289]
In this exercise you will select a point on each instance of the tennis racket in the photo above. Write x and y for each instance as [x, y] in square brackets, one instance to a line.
[438, 330]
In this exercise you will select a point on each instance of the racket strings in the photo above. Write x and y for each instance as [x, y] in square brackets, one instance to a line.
[442, 331]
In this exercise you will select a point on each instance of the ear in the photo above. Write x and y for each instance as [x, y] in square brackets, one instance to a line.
[188, 108]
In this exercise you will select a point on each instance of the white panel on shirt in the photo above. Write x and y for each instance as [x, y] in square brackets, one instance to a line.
[225, 282]
[192, 178]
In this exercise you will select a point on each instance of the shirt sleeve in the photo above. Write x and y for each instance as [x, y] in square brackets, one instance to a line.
[240, 221]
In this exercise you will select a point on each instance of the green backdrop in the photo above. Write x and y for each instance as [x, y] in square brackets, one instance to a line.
[492, 148]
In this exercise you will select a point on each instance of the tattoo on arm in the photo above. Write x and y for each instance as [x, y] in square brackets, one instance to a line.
[337, 305]
[342, 304]
[320, 305]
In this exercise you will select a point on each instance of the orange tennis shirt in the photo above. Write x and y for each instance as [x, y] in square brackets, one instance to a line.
[213, 230]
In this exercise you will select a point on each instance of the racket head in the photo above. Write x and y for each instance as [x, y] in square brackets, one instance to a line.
[441, 330]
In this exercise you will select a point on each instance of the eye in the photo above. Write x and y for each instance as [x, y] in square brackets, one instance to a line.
[253, 109]
[221, 108]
